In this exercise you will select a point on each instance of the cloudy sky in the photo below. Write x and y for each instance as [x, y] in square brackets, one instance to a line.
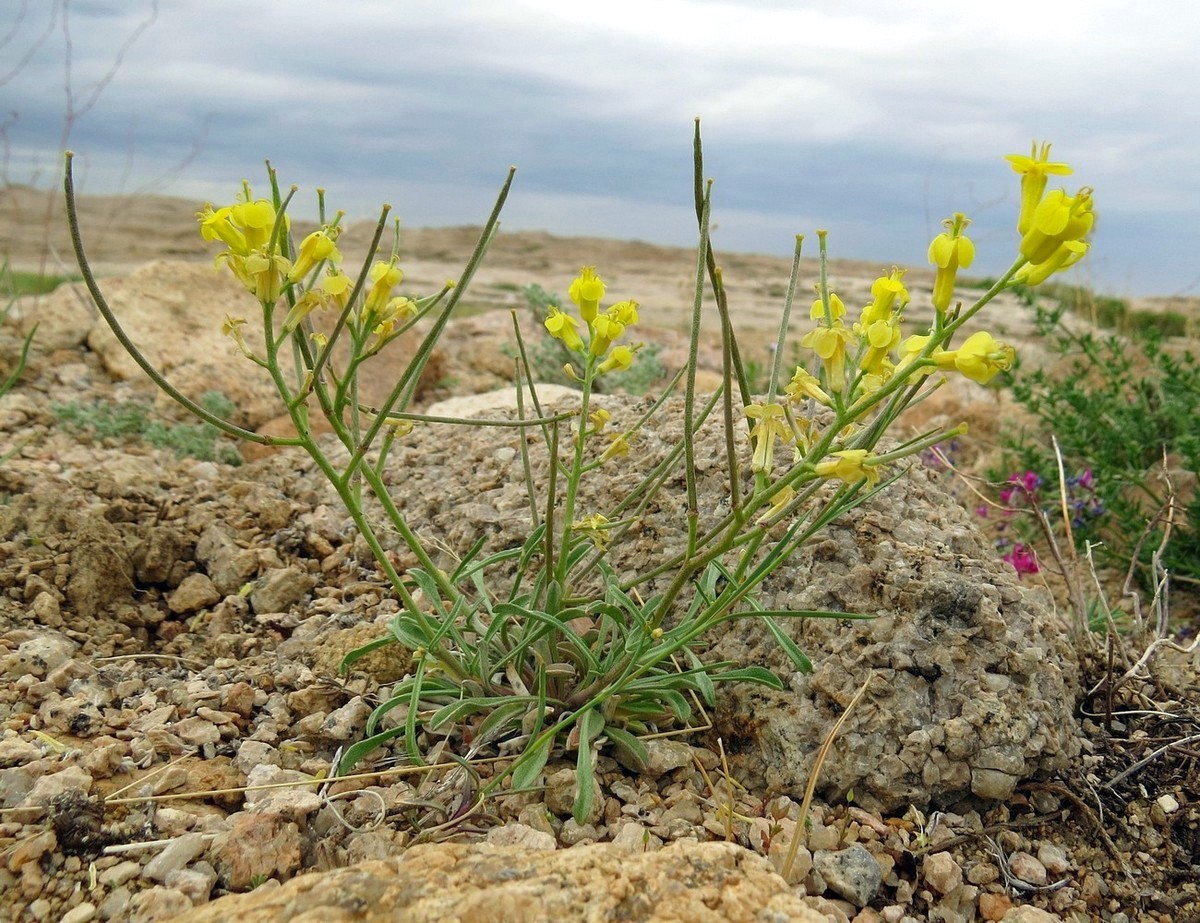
[871, 118]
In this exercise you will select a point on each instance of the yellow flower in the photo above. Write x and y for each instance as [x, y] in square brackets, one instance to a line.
[850, 465]
[911, 348]
[830, 344]
[785, 496]
[263, 274]
[836, 307]
[886, 291]
[626, 312]
[315, 248]
[1058, 218]
[599, 419]
[338, 286]
[804, 384]
[215, 224]
[606, 329]
[620, 359]
[256, 219]
[586, 291]
[305, 305]
[618, 447]
[595, 528]
[1068, 254]
[949, 251]
[979, 358]
[562, 327]
[1034, 170]
[383, 276]
[232, 327]
[772, 424]
[397, 310]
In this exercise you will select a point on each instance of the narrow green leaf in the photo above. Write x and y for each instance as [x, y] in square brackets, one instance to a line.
[631, 751]
[591, 723]
[760, 675]
[531, 762]
[795, 655]
[360, 652]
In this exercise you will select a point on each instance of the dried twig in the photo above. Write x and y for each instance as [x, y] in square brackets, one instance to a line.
[814, 774]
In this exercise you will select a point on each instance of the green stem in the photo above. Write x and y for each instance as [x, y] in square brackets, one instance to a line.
[110, 318]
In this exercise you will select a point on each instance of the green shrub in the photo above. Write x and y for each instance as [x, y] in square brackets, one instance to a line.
[1117, 406]
[135, 420]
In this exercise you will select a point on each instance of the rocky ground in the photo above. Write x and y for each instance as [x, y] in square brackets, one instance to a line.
[171, 629]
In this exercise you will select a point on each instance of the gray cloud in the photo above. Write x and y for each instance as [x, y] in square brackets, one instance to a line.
[851, 116]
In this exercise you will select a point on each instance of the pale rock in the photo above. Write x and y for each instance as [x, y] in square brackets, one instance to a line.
[696, 882]
[635, 838]
[157, 905]
[119, 874]
[1027, 868]
[14, 751]
[197, 731]
[63, 317]
[254, 753]
[279, 589]
[292, 803]
[666, 756]
[802, 861]
[47, 788]
[501, 400]
[173, 822]
[537, 817]
[116, 905]
[851, 873]
[195, 592]
[1029, 914]
[173, 310]
[993, 784]
[1168, 803]
[573, 834]
[941, 872]
[80, 913]
[560, 795]
[196, 882]
[174, 856]
[823, 838]
[348, 721]
[256, 846]
[523, 836]
[1054, 858]
[374, 844]
[993, 907]
[228, 564]
[38, 656]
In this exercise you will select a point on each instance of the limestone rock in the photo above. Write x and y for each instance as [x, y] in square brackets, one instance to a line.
[972, 679]
[257, 846]
[693, 882]
[173, 311]
[852, 873]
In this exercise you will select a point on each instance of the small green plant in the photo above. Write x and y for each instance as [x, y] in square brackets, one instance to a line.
[561, 644]
[16, 283]
[1119, 408]
[135, 420]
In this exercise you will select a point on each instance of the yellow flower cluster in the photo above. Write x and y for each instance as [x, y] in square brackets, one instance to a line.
[251, 231]
[604, 329]
[855, 362]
